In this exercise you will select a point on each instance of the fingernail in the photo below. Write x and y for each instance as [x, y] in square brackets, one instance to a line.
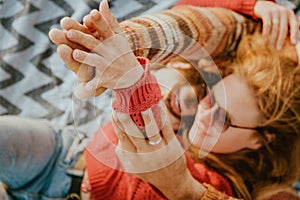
[75, 54]
[71, 34]
[95, 15]
[294, 40]
[106, 3]
[85, 19]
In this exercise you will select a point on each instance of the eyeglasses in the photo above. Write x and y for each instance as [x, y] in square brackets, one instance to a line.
[223, 119]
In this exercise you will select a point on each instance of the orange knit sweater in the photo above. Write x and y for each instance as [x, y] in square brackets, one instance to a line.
[244, 7]
[106, 175]
[109, 181]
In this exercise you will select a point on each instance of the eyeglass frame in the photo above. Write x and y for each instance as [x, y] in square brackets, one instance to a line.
[227, 120]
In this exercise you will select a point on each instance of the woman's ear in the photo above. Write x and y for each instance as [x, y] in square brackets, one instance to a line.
[270, 137]
[258, 142]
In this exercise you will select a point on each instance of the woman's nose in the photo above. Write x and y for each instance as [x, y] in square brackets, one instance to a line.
[206, 111]
[206, 102]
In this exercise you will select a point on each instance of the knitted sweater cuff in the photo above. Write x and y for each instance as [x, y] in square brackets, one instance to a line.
[248, 8]
[140, 96]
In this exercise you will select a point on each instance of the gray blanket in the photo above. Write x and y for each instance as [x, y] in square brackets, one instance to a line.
[33, 80]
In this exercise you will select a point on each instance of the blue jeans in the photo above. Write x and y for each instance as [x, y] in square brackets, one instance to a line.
[34, 158]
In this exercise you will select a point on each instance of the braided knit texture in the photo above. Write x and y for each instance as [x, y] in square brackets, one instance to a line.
[188, 31]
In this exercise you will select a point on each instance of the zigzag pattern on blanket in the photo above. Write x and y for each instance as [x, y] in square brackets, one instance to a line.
[33, 79]
[187, 31]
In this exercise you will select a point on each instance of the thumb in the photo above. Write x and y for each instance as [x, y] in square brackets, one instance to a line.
[81, 93]
[110, 18]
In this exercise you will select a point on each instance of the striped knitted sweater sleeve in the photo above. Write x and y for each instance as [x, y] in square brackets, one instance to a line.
[189, 31]
[244, 7]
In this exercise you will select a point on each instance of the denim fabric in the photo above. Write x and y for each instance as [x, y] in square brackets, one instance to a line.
[297, 187]
[34, 158]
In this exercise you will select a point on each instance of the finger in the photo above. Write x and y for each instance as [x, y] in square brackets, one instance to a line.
[84, 72]
[59, 37]
[88, 23]
[135, 135]
[129, 126]
[68, 23]
[274, 29]
[294, 27]
[151, 127]
[65, 53]
[81, 93]
[283, 30]
[167, 129]
[93, 84]
[266, 19]
[110, 18]
[90, 59]
[101, 25]
[124, 142]
[83, 39]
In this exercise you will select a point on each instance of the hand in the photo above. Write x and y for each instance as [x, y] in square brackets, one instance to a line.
[163, 163]
[278, 22]
[93, 24]
[115, 64]
[65, 48]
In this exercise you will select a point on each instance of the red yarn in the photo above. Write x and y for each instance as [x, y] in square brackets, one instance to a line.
[141, 96]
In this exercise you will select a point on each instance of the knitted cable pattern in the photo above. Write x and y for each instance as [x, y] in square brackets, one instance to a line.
[183, 30]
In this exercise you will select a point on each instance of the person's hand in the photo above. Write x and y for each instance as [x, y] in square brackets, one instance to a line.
[110, 54]
[159, 159]
[278, 22]
[115, 64]
[65, 47]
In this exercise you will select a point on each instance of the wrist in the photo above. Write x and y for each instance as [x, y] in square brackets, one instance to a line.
[188, 188]
[139, 96]
[133, 76]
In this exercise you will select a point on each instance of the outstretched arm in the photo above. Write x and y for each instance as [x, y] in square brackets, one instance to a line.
[180, 30]
[191, 32]
[241, 6]
[279, 22]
